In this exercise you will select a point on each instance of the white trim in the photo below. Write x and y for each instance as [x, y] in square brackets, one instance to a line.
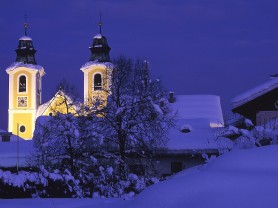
[10, 120]
[11, 91]
[40, 91]
[86, 89]
[34, 91]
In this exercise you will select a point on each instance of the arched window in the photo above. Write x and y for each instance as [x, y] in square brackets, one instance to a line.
[22, 84]
[97, 82]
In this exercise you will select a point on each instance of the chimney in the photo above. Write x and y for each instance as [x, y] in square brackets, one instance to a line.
[171, 97]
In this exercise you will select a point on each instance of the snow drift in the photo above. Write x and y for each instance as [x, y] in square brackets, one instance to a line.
[241, 178]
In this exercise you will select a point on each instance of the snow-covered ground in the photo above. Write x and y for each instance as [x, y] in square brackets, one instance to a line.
[241, 178]
[59, 203]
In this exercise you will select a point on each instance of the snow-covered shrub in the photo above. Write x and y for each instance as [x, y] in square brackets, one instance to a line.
[38, 184]
[103, 182]
[251, 136]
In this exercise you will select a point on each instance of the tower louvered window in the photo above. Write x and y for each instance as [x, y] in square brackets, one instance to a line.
[97, 82]
[22, 84]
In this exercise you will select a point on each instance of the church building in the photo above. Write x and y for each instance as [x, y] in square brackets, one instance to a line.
[197, 116]
[25, 84]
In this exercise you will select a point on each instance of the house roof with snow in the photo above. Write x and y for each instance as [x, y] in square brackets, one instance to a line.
[199, 107]
[198, 117]
[200, 138]
[255, 92]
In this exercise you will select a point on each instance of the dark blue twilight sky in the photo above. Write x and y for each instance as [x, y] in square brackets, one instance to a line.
[221, 47]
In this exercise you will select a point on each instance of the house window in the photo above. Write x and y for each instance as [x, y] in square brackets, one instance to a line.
[97, 82]
[22, 84]
[176, 167]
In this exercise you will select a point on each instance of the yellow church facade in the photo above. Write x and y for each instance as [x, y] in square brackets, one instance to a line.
[25, 85]
[24, 98]
[97, 81]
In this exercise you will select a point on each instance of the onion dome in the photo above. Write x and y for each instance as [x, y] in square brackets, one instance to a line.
[100, 48]
[25, 51]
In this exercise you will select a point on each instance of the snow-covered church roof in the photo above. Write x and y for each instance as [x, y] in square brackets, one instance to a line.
[255, 92]
[16, 65]
[98, 36]
[45, 107]
[25, 38]
[89, 64]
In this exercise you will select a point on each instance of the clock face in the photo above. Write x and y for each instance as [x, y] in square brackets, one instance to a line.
[22, 101]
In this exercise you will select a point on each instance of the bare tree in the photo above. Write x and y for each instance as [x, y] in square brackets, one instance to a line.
[136, 118]
[65, 138]
[133, 122]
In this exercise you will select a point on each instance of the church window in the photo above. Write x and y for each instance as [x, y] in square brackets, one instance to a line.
[22, 84]
[97, 82]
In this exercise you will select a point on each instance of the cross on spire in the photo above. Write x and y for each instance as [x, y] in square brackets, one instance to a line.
[100, 23]
[25, 25]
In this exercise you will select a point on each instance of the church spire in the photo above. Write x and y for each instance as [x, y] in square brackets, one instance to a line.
[100, 48]
[25, 51]
[100, 23]
[25, 25]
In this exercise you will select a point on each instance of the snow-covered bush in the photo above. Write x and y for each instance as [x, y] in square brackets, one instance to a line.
[38, 184]
[251, 136]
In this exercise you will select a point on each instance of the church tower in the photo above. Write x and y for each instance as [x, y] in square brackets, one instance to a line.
[25, 88]
[98, 71]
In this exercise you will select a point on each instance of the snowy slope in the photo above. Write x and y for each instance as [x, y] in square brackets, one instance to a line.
[58, 203]
[243, 178]
[239, 179]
